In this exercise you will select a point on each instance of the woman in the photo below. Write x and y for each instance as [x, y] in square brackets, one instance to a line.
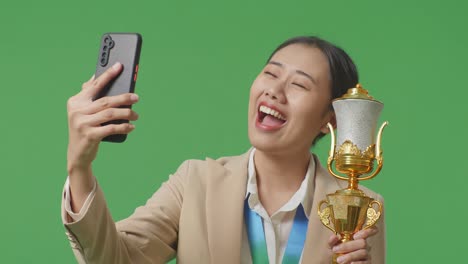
[234, 209]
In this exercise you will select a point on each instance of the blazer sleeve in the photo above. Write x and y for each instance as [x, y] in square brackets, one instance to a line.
[377, 242]
[149, 235]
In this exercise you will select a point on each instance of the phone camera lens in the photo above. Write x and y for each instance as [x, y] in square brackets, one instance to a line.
[103, 61]
[107, 39]
[104, 48]
[111, 44]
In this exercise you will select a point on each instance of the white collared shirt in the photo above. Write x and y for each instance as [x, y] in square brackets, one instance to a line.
[279, 225]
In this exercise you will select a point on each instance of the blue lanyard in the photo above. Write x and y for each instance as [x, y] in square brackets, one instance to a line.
[255, 232]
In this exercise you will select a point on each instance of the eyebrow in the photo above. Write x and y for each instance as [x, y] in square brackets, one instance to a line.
[297, 71]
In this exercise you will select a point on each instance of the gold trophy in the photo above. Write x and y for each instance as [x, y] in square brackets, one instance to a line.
[349, 210]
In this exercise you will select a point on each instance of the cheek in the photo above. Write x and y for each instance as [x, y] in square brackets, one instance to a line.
[255, 91]
[256, 86]
[310, 111]
[253, 96]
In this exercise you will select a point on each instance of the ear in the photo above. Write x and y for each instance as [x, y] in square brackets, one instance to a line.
[332, 120]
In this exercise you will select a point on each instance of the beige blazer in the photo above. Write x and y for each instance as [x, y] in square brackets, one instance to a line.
[196, 216]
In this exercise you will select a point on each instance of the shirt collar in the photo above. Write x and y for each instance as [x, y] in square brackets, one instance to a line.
[303, 195]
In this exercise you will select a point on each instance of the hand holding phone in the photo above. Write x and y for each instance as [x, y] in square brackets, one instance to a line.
[100, 102]
[85, 130]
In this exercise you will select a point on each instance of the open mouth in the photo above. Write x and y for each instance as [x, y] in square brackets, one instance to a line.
[270, 118]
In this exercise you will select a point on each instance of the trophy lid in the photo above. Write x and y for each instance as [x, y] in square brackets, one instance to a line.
[357, 92]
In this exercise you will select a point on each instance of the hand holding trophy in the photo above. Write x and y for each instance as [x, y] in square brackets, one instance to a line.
[349, 210]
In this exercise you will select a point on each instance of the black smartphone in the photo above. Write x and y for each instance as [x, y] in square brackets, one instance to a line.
[124, 48]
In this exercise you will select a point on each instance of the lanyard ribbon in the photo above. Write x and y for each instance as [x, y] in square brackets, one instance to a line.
[258, 247]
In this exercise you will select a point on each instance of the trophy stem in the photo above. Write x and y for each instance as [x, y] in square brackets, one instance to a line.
[353, 182]
[347, 237]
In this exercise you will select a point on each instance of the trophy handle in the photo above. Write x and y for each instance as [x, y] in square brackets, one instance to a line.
[372, 215]
[331, 155]
[379, 154]
[325, 215]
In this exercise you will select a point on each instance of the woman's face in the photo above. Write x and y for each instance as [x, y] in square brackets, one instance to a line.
[290, 100]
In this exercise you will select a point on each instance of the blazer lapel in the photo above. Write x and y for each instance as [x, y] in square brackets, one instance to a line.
[225, 193]
[316, 246]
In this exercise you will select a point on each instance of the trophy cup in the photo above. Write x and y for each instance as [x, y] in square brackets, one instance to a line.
[349, 210]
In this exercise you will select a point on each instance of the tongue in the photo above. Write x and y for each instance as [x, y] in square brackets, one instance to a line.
[272, 121]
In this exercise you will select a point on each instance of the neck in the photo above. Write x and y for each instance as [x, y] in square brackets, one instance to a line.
[281, 172]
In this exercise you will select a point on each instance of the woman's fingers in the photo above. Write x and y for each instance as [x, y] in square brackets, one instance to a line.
[357, 250]
[366, 233]
[110, 114]
[359, 242]
[93, 86]
[333, 241]
[360, 256]
[90, 89]
[350, 246]
[111, 102]
[98, 133]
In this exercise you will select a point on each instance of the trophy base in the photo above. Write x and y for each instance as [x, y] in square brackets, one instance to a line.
[346, 212]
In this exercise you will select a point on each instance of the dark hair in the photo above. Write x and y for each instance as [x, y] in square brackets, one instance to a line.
[343, 71]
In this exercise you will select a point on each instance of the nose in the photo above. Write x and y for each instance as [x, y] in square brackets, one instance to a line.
[276, 92]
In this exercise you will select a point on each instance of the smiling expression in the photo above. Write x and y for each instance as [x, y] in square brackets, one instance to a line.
[290, 100]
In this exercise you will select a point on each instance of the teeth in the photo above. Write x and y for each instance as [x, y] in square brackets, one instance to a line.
[269, 111]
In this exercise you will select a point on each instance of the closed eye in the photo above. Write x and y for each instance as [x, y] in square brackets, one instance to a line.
[300, 85]
[271, 74]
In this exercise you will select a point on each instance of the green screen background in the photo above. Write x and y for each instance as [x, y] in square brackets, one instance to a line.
[198, 61]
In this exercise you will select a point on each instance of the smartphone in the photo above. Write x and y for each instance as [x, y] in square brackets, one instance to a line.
[124, 48]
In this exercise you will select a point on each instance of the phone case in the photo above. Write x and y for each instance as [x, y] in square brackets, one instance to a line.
[124, 48]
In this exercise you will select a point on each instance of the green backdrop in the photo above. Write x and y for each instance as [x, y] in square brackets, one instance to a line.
[198, 61]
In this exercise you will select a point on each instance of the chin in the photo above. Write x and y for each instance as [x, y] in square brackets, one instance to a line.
[265, 143]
